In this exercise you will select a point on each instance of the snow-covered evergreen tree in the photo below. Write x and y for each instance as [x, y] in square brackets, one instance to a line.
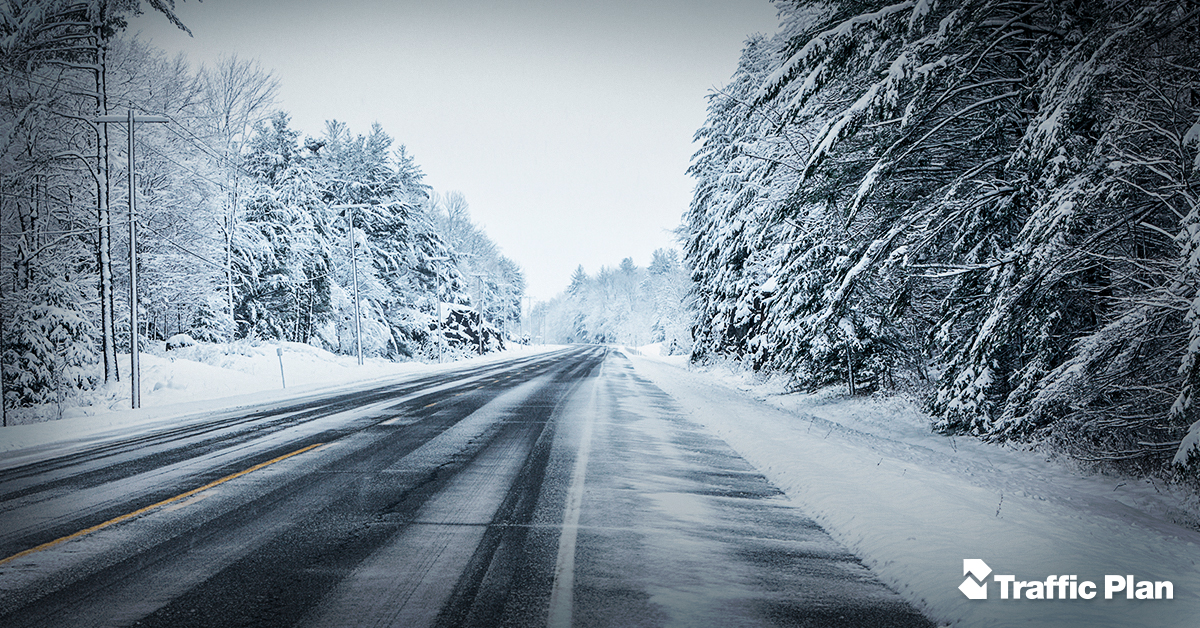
[995, 193]
[49, 343]
[669, 286]
[238, 219]
[628, 305]
[281, 257]
[496, 283]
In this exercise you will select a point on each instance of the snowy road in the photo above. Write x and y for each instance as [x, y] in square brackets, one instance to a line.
[557, 489]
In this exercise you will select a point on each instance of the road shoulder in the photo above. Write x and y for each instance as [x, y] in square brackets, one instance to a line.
[913, 513]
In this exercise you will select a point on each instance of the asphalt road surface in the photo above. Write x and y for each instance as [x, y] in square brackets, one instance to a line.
[558, 489]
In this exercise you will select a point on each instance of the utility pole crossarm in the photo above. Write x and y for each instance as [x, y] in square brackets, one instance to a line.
[125, 118]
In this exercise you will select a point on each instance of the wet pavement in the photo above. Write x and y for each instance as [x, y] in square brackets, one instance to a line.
[557, 490]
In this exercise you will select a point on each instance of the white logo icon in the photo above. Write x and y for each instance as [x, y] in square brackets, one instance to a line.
[974, 586]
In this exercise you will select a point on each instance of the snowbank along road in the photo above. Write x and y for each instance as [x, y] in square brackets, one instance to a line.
[554, 490]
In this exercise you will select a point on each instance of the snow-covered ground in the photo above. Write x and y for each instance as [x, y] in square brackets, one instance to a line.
[911, 503]
[193, 382]
[914, 504]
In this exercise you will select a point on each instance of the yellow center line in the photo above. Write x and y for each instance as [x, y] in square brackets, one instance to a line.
[432, 404]
[164, 502]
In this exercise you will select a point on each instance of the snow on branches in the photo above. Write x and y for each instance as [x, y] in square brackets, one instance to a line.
[998, 197]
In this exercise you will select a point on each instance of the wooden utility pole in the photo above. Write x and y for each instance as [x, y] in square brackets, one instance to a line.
[438, 295]
[354, 271]
[131, 121]
[479, 309]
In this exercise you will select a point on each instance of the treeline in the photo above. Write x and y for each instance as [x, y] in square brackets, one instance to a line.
[994, 199]
[626, 305]
[244, 225]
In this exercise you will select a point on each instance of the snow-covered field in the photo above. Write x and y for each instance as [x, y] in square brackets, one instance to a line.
[914, 504]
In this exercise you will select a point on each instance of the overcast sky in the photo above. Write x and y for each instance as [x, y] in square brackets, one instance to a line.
[567, 125]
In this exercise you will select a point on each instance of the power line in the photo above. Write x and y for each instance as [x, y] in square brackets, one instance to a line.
[190, 169]
[222, 267]
[208, 150]
[15, 234]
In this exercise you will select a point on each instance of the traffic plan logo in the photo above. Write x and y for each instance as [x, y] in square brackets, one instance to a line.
[974, 586]
[1055, 587]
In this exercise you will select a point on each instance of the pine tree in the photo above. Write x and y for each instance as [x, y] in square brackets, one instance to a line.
[996, 192]
[281, 257]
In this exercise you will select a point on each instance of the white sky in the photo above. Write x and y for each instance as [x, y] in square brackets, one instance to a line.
[566, 124]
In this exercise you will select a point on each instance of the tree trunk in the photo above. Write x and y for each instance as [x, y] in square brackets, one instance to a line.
[103, 213]
[850, 368]
[229, 273]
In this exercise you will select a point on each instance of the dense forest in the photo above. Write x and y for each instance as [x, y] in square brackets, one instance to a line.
[245, 227]
[991, 201]
[626, 305]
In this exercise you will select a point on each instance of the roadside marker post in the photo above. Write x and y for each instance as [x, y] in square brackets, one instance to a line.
[279, 352]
